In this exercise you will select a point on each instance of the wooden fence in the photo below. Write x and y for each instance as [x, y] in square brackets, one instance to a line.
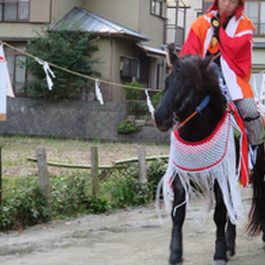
[42, 163]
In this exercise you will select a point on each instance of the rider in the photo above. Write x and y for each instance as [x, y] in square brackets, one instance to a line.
[226, 34]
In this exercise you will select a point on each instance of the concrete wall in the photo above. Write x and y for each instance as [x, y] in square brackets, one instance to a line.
[72, 119]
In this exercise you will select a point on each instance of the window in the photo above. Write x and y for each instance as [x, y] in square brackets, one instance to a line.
[255, 10]
[14, 10]
[129, 66]
[158, 8]
[16, 68]
[198, 13]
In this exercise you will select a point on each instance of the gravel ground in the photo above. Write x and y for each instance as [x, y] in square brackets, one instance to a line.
[132, 236]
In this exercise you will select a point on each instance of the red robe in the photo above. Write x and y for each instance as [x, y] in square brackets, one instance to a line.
[235, 45]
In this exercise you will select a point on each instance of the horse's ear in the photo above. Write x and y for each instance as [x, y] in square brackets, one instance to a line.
[207, 61]
[171, 56]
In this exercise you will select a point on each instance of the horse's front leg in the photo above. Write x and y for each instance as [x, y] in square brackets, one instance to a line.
[231, 239]
[263, 237]
[220, 218]
[178, 216]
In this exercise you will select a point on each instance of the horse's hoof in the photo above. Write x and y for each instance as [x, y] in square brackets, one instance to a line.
[219, 262]
[175, 261]
[230, 254]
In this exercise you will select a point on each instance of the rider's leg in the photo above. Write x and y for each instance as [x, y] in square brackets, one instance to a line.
[247, 108]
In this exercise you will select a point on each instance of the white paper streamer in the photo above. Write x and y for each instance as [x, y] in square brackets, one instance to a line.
[149, 104]
[9, 89]
[48, 72]
[98, 92]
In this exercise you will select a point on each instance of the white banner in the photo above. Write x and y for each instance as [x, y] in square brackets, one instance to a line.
[3, 85]
[9, 90]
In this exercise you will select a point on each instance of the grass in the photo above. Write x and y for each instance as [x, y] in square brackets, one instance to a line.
[16, 149]
[70, 189]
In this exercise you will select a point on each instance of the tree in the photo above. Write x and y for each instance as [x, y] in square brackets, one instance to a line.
[68, 49]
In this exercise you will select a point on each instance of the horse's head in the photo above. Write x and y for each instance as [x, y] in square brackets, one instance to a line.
[189, 80]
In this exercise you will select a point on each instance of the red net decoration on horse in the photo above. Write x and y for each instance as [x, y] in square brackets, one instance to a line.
[203, 155]
[203, 163]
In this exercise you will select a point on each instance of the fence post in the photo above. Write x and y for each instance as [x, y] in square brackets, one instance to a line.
[94, 170]
[142, 164]
[43, 174]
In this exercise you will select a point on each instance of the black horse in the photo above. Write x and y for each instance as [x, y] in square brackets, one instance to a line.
[190, 81]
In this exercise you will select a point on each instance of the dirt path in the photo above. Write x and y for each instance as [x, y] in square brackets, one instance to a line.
[127, 237]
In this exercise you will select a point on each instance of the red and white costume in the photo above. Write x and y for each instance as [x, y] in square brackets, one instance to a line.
[235, 45]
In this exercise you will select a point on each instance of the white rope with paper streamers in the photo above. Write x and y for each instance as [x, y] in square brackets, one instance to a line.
[98, 92]
[48, 72]
[149, 104]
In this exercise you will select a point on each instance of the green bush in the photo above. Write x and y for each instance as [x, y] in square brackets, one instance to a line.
[25, 207]
[70, 196]
[155, 171]
[128, 127]
[23, 204]
[134, 94]
[123, 188]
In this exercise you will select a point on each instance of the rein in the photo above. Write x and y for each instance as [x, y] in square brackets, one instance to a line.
[198, 109]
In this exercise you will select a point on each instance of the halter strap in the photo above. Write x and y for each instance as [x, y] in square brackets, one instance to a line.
[203, 104]
[198, 109]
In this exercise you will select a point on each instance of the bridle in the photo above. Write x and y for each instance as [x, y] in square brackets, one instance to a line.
[198, 109]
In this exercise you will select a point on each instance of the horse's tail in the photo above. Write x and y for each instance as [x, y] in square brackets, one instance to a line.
[257, 211]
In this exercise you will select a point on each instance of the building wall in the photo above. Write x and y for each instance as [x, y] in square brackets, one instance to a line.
[125, 12]
[19, 31]
[134, 15]
[40, 11]
[110, 52]
[60, 7]
[196, 6]
[150, 25]
[39, 14]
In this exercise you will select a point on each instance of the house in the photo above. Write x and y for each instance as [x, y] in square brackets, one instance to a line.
[130, 48]
[131, 37]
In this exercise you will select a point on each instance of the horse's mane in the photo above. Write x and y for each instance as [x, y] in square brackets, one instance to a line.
[202, 74]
